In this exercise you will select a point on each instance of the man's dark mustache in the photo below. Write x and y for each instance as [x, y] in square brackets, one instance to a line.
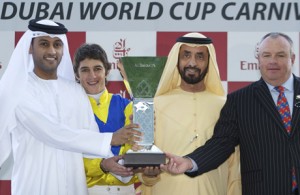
[192, 68]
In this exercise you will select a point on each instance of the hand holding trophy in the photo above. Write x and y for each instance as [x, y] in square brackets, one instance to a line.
[143, 75]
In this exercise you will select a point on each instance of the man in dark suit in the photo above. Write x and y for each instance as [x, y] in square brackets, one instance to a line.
[269, 150]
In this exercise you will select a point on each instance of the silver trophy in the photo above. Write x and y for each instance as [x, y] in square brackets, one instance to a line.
[143, 114]
[143, 75]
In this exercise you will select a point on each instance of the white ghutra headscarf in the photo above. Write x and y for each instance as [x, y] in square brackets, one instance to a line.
[15, 78]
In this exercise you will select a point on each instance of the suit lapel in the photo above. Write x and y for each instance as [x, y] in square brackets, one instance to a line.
[264, 96]
[296, 110]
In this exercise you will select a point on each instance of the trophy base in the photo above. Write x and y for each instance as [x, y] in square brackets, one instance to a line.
[148, 158]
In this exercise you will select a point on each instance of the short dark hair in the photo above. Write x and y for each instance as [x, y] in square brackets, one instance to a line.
[90, 51]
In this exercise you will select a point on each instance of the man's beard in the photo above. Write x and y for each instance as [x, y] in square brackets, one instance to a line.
[192, 79]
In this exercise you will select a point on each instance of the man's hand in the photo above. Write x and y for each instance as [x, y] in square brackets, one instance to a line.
[149, 171]
[176, 164]
[111, 164]
[127, 134]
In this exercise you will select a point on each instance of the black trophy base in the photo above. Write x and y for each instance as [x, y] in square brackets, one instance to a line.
[136, 159]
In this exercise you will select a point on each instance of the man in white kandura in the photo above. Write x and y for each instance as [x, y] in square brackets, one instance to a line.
[45, 116]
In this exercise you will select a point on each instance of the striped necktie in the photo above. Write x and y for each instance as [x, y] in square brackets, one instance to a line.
[284, 111]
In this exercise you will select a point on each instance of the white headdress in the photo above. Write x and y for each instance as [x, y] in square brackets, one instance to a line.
[15, 78]
[171, 79]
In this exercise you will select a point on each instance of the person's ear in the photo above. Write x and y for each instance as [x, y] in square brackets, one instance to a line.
[293, 57]
[77, 78]
[107, 72]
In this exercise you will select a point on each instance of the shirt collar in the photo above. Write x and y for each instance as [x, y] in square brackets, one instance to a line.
[100, 97]
[288, 85]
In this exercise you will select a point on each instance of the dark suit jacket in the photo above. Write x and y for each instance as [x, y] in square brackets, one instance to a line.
[250, 119]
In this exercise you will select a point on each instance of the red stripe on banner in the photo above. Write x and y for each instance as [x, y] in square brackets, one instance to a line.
[233, 86]
[18, 35]
[5, 187]
[117, 87]
[75, 39]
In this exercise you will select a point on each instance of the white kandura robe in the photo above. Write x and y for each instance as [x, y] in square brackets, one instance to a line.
[47, 155]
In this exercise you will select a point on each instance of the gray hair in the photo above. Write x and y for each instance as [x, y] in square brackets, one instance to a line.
[274, 35]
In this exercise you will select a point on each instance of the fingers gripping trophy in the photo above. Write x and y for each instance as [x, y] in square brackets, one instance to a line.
[143, 74]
